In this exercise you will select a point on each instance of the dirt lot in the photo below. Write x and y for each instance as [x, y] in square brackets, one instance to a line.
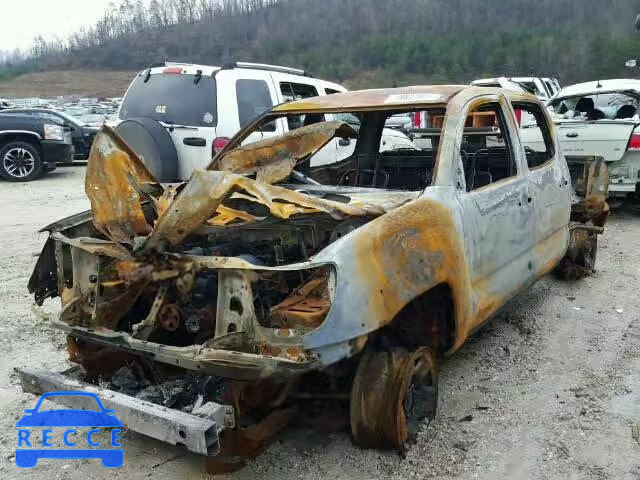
[84, 83]
[547, 390]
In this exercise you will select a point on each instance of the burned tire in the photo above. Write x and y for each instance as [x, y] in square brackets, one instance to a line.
[153, 144]
[393, 392]
[580, 259]
[20, 162]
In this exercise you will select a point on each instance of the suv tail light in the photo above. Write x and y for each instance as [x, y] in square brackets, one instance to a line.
[518, 112]
[218, 144]
[634, 142]
[174, 70]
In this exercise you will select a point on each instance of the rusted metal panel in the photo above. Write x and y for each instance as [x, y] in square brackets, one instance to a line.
[273, 159]
[113, 180]
[376, 98]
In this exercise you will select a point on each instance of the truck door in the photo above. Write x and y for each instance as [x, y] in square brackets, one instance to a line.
[497, 208]
[550, 186]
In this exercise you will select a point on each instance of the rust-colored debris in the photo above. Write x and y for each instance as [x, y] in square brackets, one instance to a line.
[241, 445]
[115, 175]
[306, 307]
[116, 178]
[272, 159]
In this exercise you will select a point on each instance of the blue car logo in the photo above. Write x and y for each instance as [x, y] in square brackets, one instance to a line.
[35, 431]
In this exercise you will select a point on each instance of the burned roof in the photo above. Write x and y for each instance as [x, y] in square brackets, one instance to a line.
[388, 98]
[380, 97]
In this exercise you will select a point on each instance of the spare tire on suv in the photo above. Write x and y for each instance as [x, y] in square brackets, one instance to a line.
[151, 141]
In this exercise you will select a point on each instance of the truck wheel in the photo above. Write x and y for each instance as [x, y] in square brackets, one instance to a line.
[19, 162]
[580, 259]
[393, 392]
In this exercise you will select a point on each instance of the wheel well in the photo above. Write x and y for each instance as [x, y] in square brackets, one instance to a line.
[21, 137]
[428, 320]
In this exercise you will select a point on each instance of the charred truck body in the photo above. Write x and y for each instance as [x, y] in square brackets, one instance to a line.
[263, 270]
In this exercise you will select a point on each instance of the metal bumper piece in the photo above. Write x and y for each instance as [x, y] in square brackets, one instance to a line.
[199, 435]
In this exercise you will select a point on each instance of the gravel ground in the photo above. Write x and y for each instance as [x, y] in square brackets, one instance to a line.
[547, 390]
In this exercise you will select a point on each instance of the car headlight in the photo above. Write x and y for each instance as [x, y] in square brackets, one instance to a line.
[53, 132]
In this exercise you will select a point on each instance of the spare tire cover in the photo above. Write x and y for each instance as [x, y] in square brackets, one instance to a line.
[151, 141]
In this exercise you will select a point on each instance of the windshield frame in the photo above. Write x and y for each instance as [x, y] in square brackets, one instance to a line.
[275, 114]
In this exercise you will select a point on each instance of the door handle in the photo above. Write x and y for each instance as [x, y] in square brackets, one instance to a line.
[195, 141]
[572, 135]
[344, 142]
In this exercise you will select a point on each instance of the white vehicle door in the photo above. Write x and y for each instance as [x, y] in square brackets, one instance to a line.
[579, 138]
[551, 187]
[602, 138]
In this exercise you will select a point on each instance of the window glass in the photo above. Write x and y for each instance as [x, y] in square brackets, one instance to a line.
[253, 99]
[48, 117]
[171, 98]
[550, 88]
[331, 91]
[297, 91]
[486, 151]
[539, 147]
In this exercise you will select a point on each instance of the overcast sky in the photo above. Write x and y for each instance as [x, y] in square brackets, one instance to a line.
[24, 19]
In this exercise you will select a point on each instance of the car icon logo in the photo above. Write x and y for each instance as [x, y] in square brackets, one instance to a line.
[35, 432]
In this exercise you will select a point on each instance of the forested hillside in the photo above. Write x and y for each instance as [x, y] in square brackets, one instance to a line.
[360, 42]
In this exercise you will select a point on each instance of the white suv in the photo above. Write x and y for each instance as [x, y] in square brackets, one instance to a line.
[177, 116]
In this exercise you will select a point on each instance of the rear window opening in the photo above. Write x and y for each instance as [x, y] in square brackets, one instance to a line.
[172, 98]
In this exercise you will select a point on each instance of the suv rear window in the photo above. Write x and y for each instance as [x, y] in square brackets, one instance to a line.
[172, 98]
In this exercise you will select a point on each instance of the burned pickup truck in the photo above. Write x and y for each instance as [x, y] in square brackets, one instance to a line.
[265, 280]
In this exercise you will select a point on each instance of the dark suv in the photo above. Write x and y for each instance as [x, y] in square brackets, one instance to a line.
[81, 134]
[31, 146]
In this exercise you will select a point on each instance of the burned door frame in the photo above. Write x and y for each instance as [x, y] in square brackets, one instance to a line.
[551, 190]
[497, 222]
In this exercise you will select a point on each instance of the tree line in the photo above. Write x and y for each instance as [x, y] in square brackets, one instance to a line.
[359, 42]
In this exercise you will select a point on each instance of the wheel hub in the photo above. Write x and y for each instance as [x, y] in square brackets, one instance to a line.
[18, 162]
[393, 392]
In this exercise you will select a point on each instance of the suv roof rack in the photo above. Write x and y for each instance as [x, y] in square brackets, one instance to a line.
[249, 65]
[265, 66]
[166, 64]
